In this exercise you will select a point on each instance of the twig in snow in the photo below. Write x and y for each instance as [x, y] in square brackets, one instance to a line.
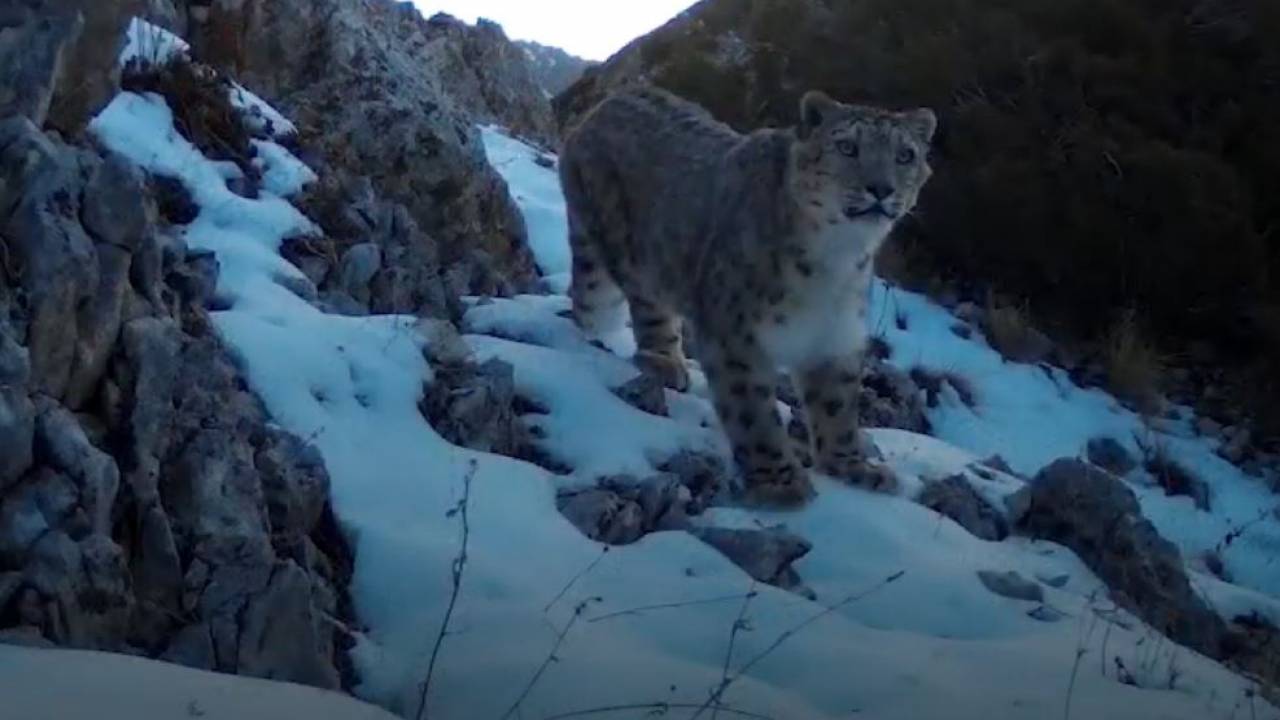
[456, 571]
[1081, 651]
[573, 580]
[551, 656]
[669, 606]
[739, 625]
[786, 635]
[656, 708]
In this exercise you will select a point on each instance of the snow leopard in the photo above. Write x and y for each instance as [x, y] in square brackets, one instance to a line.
[763, 243]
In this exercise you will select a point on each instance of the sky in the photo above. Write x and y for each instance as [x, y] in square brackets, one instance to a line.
[592, 29]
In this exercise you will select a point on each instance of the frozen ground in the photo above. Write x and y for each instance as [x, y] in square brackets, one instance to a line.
[536, 594]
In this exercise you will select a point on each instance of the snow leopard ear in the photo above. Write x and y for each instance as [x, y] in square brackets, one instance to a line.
[922, 123]
[815, 108]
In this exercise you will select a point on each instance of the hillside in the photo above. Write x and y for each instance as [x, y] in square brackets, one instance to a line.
[1096, 160]
[554, 69]
[289, 396]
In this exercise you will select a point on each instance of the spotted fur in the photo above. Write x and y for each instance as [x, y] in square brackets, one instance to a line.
[764, 243]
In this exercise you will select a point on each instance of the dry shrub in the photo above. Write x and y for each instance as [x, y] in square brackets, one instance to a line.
[1010, 331]
[201, 103]
[1134, 366]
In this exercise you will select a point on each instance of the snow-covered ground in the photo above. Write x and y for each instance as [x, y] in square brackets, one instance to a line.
[902, 628]
[78, 685]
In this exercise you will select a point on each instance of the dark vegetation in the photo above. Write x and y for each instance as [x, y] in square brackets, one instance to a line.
[1101, 161]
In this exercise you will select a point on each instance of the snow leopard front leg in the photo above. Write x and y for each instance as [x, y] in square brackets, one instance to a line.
[832, 390]
[743, 383]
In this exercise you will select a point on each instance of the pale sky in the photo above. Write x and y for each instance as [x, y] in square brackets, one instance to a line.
[593, 29]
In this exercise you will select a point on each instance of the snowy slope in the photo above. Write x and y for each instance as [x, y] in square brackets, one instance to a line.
[76, 685]
[931, 643]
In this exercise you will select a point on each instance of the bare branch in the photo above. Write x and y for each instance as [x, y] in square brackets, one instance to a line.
[456, 570]
[718, 693]
[551, 656]
[668, 606]
[573, 580]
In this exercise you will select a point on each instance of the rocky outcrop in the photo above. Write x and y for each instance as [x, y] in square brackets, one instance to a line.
[489, 75]
[57, 58]
[146, 504]
[955, 498]
[377, 92]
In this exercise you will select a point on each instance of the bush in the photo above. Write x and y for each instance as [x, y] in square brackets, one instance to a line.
[1092, 154]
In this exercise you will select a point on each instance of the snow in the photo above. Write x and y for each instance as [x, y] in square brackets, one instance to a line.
[150, 44]
[541, 202]
[76, 685]
[932, 643]
[262, 117]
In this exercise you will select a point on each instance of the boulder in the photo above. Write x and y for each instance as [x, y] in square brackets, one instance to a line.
[767, 555]
[1091, 512]
[955, 498]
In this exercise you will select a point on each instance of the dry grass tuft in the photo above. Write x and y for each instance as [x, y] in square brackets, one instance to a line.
[1009, 330]
[201, 103]
[1134, 366]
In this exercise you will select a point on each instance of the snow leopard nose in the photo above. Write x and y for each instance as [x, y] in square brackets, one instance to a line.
[880, 191]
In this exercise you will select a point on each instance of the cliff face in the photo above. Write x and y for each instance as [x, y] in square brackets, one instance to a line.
[554, 69]
[147, 503]
[378, 91]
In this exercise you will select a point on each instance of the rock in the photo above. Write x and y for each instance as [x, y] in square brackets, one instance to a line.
[1208, 427]
[282, 634]
[1046, 614]
[621, 510]
[766, 555]
[360, 263]
[1235, 446]
[443, 344]
[35, 39]
[63, 444]
[1011, 585]
[295, 484]
[17, 413]
[955, 498]
[1178, 480]
[472, 406]
[704, 474]
[45, 238]
[603, 515]
[191, 646]
[25, 636]
[1108, 454]
[644, 392]
[1091, 512]
[90, 75]
[553, 69]
[381, 92]
[891, 399]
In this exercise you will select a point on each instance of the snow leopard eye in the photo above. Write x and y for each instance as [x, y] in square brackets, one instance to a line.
[847, 147]
[906, 155]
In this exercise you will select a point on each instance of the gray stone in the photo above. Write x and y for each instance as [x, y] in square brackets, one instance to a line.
[705, 475]
[644, 392]
[766, 554]
[34, 43]
[117, 210]
[1011, 585]
[191, 646]
[390, 97]
[282, 635]
[603, 515]
[1108, 454]
[472, 406]
[360, 263]
[60, 438]
[955, 498]
[1046, 614]
[1091, 512]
